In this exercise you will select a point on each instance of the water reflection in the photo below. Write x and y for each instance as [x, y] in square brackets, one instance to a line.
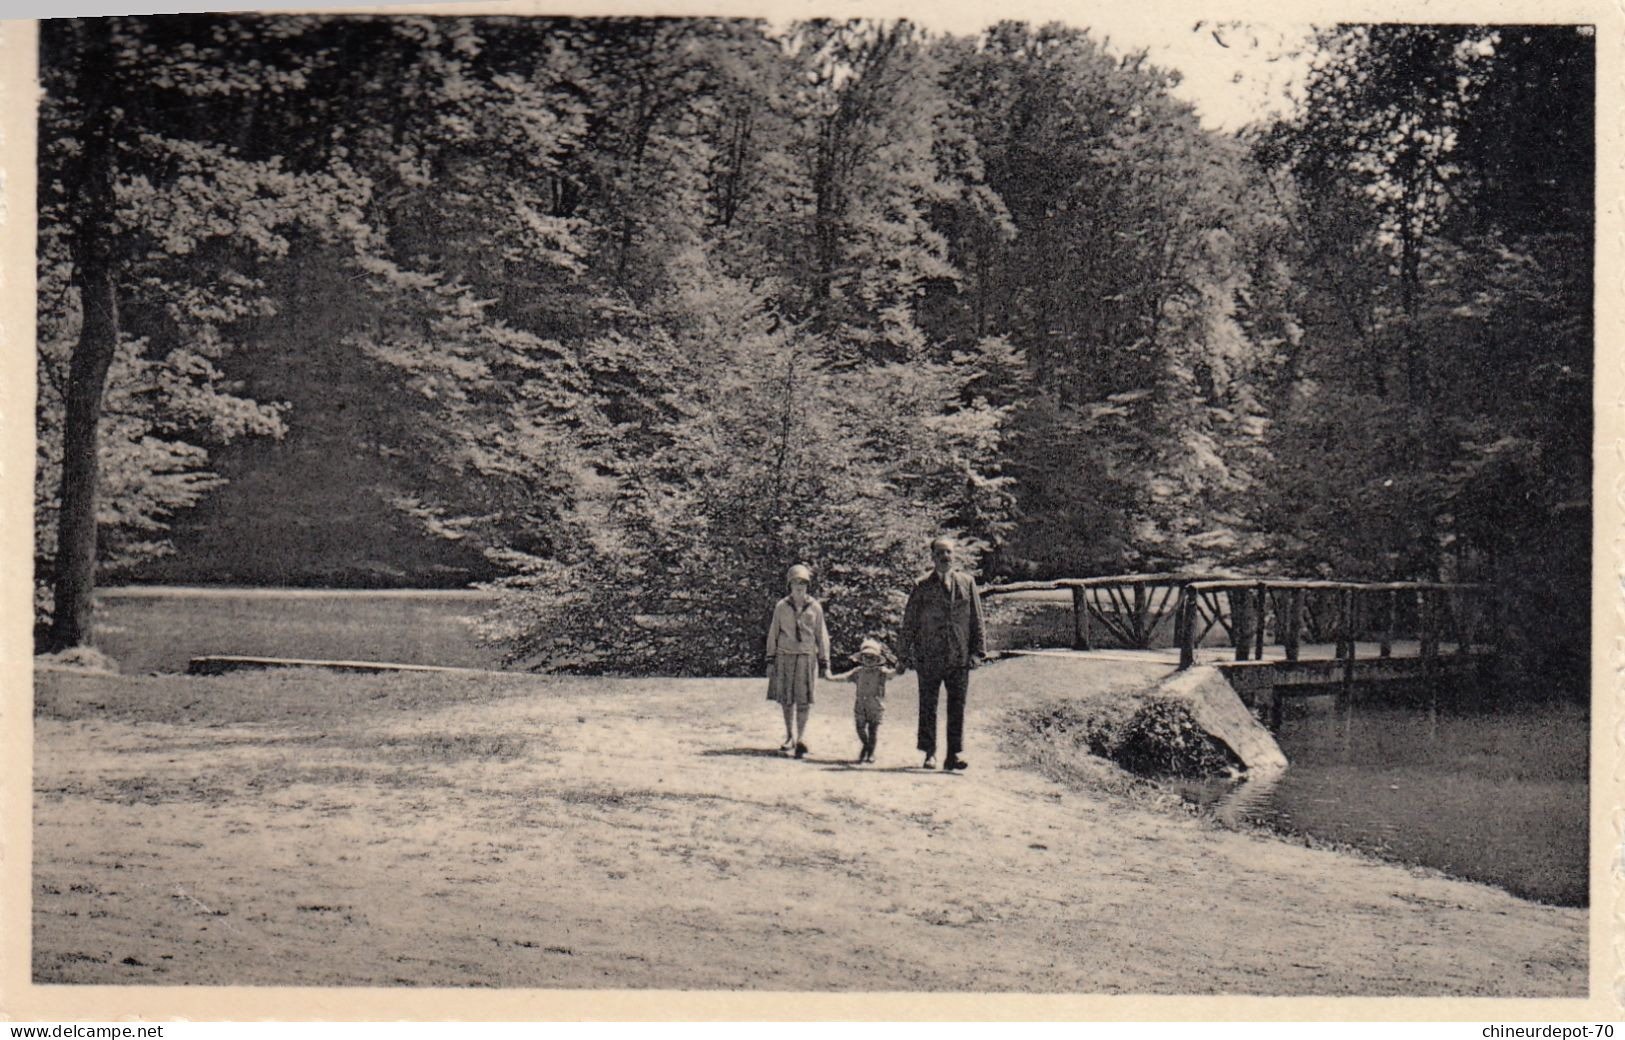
[1248, 797]
[1496, 796]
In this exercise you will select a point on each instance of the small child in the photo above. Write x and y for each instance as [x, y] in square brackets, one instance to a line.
[870, 704]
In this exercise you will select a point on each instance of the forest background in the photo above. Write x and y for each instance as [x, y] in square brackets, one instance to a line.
[624, 315]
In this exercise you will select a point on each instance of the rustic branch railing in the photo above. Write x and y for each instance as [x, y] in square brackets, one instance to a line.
[1343, 610]
[1134, 608]
[1130, 607]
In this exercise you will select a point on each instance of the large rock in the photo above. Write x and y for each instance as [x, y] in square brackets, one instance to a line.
[1219, 711]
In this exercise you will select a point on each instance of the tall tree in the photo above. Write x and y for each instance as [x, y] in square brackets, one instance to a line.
[1443, 381]
[1117, 261]
[753, 453]
[868, 117]
[159, 215]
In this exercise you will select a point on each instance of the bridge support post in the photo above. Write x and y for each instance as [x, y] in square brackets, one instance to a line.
[1080, 618]
[1387, 648]
[1258, 625]
[1294, 623]
[1429, 634]
[1179, 622]
[1241, 629]
[1142, 633]
[1454, 607]
[1348, 642]
[1186, 627]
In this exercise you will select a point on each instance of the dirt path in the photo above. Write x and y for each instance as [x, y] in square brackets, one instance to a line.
[308, 830]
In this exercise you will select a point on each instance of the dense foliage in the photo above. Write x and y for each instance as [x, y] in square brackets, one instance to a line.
[629, 314]
[1437, 422]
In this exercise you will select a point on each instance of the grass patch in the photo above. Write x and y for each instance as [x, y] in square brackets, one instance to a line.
[603, 798]
[454, 747]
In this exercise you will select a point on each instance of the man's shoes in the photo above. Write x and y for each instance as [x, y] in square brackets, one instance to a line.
[801, 750]
[955, 762]
[930, 761]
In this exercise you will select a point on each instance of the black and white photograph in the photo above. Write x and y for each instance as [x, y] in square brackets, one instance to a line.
[1100, 504]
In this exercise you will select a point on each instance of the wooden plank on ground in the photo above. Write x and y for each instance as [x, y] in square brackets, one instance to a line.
[220, 664]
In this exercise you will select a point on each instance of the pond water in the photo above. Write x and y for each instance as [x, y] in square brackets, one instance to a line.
[159, 628]
[1494, 795]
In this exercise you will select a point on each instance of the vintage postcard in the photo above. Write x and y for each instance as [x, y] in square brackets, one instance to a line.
[808, 511]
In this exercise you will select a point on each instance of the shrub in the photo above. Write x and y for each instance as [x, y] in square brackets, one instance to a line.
[1148, 737]
[1164, 739]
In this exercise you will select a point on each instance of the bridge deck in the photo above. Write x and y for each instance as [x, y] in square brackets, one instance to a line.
[1402, 650]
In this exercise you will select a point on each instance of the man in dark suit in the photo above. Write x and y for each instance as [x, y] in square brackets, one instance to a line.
[941, 639]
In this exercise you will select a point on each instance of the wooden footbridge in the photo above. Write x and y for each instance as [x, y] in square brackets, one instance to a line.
[1275, 636]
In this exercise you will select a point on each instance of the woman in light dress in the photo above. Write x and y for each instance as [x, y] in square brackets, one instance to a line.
[797, 654]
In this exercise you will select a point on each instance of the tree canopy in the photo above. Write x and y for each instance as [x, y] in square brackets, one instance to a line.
[626, 315]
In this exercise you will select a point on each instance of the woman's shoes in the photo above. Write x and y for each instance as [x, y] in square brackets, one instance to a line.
[787, 747]
[801, 750]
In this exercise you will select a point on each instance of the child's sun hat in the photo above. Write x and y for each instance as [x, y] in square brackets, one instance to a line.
[870, 647]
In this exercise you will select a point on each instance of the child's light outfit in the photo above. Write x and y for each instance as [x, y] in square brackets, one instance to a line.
[869, 706]
[797, 642]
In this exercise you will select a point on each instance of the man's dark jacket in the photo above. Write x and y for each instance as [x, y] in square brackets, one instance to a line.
[942, 624]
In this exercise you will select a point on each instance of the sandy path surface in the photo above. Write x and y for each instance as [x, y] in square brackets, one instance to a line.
[641, 833]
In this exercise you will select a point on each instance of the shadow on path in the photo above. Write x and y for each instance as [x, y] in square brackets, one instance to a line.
[826, 764]
[843, 767]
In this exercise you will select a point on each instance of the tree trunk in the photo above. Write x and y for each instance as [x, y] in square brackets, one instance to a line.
[75, 573]
[1411, 232]
[91, 245]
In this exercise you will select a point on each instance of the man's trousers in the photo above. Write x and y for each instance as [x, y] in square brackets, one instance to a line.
[957, 681]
